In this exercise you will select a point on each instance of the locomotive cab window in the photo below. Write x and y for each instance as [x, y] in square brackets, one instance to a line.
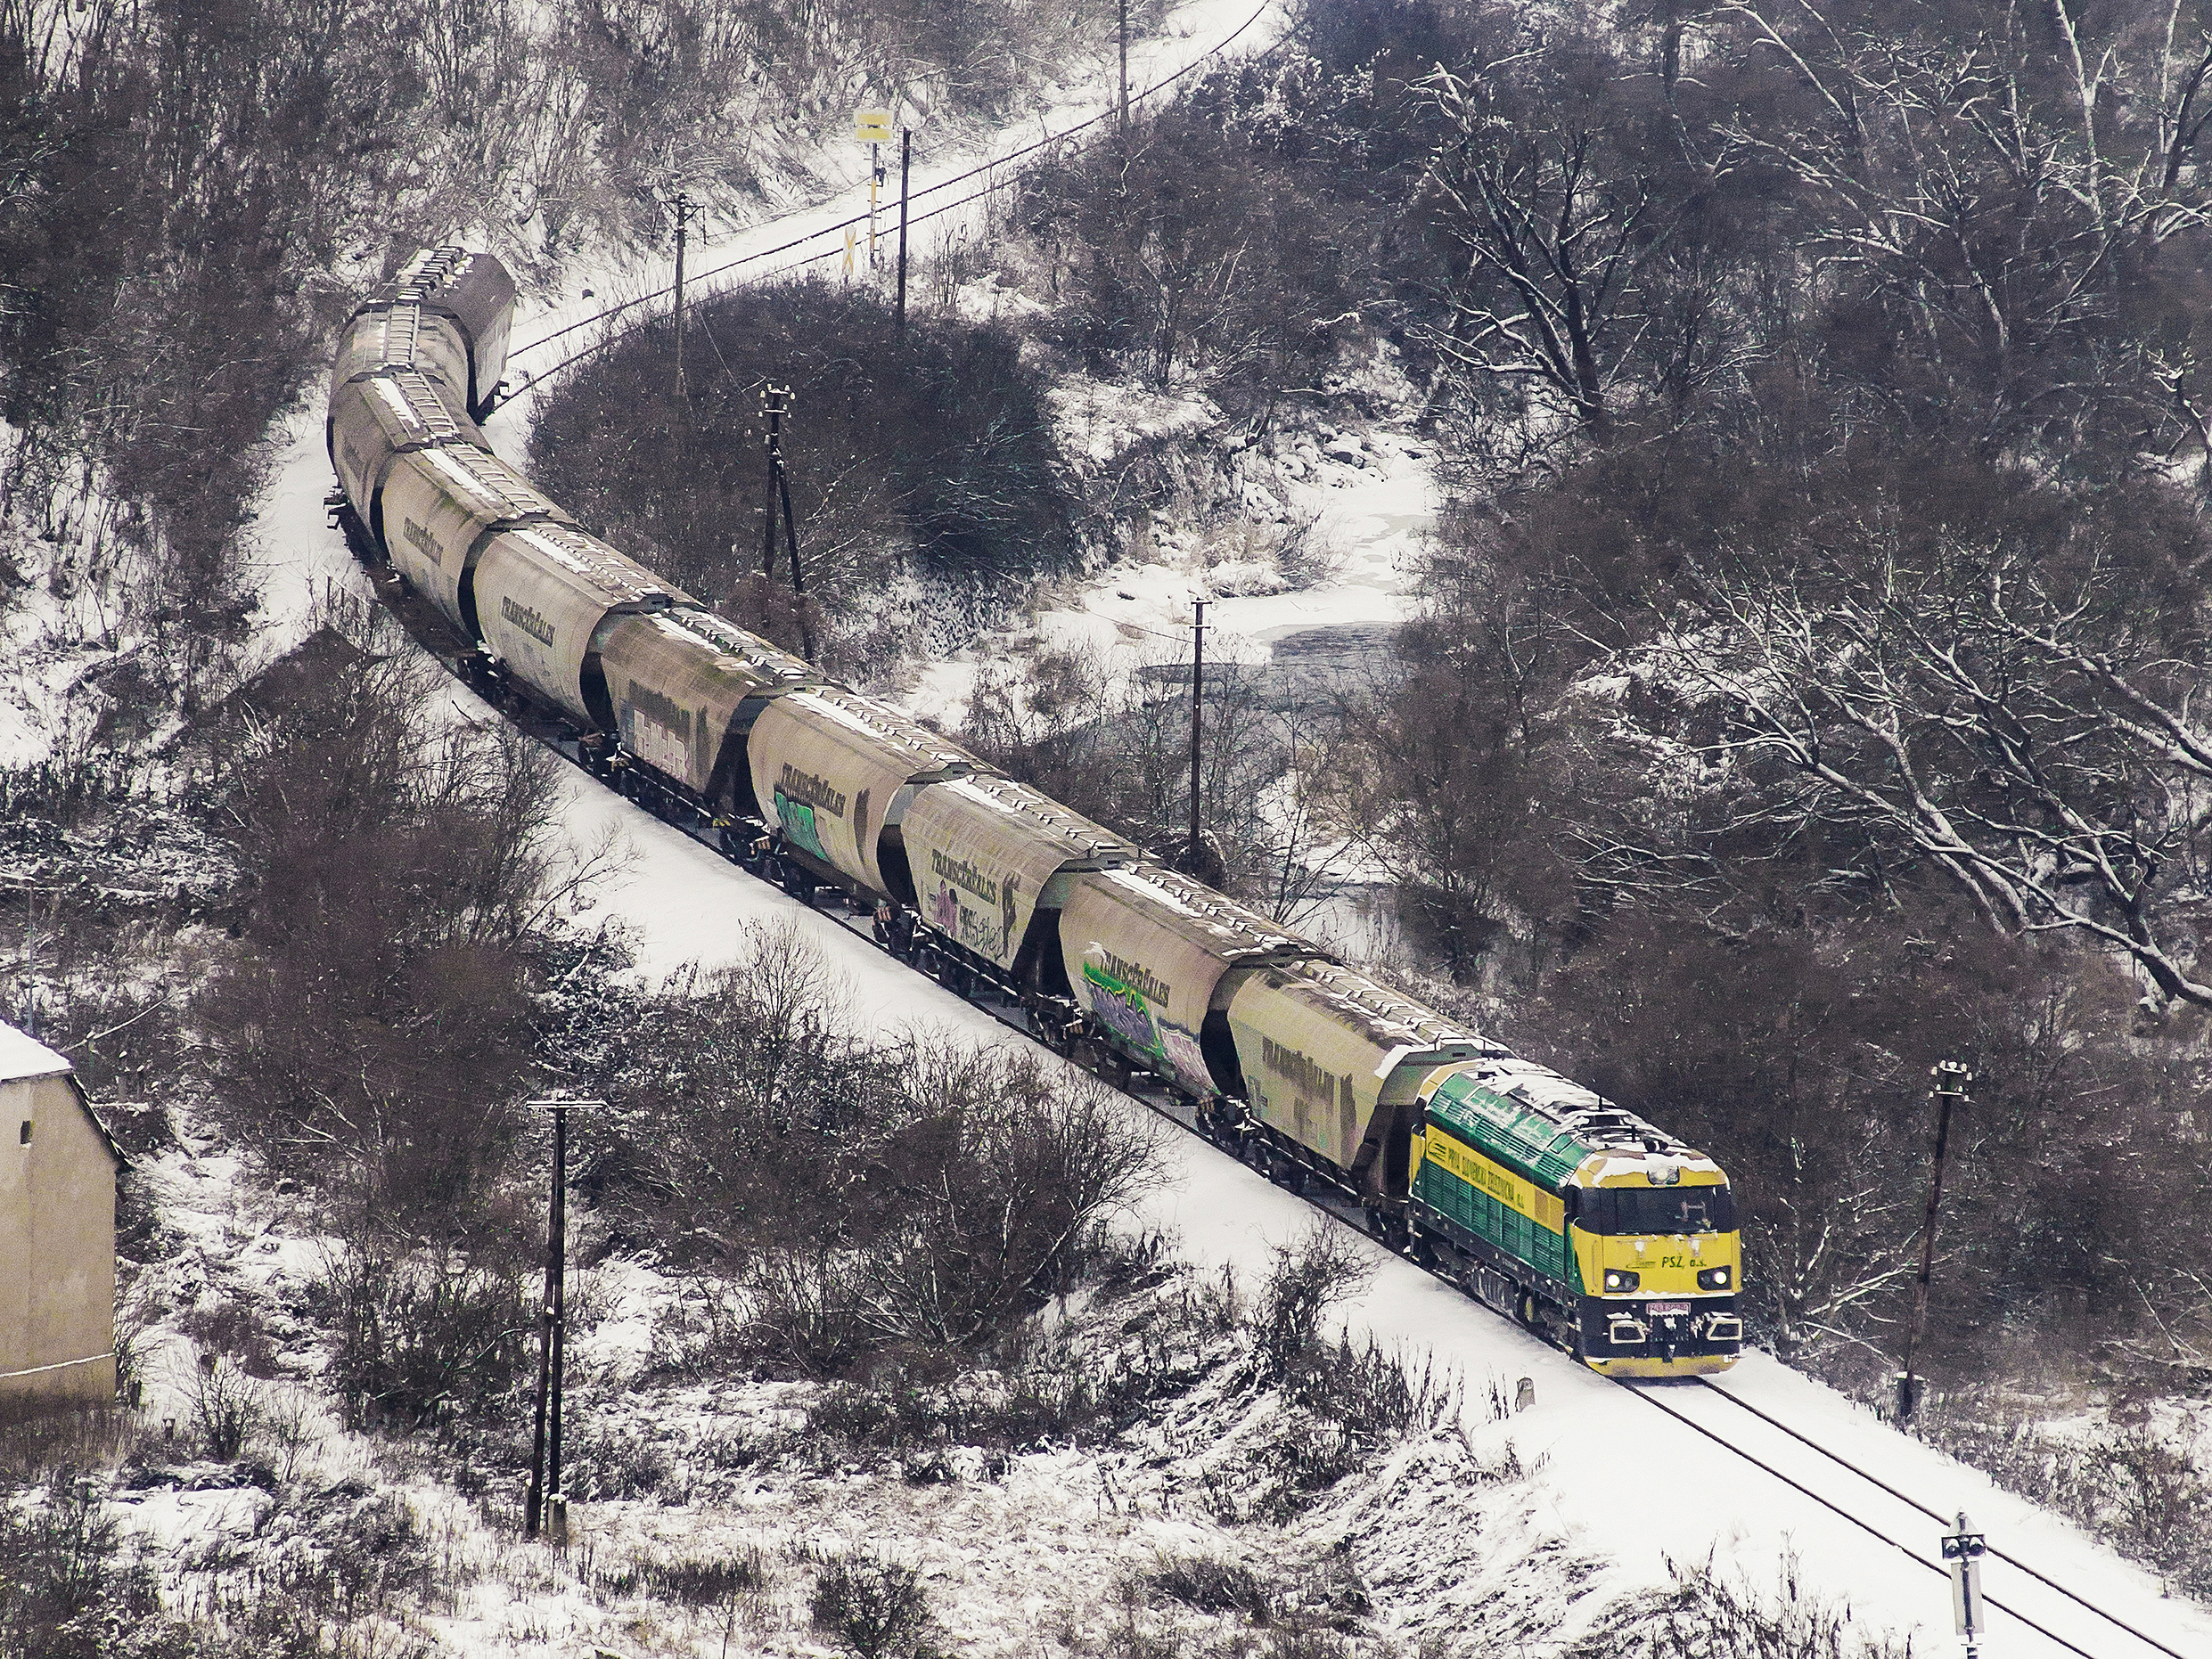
[1628, 1211]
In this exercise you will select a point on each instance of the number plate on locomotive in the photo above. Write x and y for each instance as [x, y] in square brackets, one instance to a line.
[1660, 1309]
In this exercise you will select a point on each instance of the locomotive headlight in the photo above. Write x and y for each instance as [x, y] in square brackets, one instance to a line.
[1714, 1278]
[1621, 1278]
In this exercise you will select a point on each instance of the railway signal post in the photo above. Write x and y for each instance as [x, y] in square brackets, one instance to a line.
[872, 127]
[1962, 1552]
[546, 1502]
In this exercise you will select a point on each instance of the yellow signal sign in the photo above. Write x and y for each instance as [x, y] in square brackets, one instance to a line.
[872, 126]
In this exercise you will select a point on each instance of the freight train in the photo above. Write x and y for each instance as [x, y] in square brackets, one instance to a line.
[1587, 1224]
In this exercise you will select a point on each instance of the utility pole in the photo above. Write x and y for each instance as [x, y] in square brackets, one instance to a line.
[772, 396]
[1952, 1082]
[1123, 5]
[906, 166]
[684, 208]
[1198, 704]
[546, 1500]
[780, 495]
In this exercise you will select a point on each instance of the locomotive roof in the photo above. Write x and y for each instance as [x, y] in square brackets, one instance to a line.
[1548, 1128]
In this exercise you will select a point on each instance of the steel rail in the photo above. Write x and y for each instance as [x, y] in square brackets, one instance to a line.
[1906, 1550]
[1933, 1514]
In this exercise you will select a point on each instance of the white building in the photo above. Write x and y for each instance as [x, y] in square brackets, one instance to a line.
[58, 1166]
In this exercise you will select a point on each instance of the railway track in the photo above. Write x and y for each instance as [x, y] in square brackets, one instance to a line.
[1760, 1440]
[990, 171]
[2040, 1587]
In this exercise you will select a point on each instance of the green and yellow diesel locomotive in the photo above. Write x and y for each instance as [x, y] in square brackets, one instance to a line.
[1585, 1222]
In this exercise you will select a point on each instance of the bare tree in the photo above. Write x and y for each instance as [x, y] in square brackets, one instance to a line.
[1552, 238]
[2012, 726]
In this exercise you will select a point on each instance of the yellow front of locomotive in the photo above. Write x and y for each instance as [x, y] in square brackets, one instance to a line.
[1659, 1258]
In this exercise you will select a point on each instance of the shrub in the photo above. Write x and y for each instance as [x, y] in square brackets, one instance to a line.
[1304, 1281]
[880, 1201]
[694, 1580]
[367, 1023]
[1708, 1614]
[223, 1409]
[418, 1332]
[933, 455]
[1211, 1585]
[68, 1587]
[872, 1609]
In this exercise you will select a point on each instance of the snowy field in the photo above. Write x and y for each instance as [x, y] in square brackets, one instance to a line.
[1626, 1482]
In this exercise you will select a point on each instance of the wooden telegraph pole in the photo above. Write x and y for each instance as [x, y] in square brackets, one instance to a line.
[684, 208]
[1197, 705]
[1952, 1082]
[906, 166]
[546, 1500]
[777, 398]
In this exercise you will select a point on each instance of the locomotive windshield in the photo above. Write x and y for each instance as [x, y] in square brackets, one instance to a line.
[1628, 1210]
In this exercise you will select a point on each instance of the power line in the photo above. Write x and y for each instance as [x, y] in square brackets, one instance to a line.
[1904, 1550]
[987, 166]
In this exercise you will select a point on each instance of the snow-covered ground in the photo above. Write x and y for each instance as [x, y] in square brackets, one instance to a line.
[1623, 1473]
[944, 202]
[1355, 502]
[1627, 1482]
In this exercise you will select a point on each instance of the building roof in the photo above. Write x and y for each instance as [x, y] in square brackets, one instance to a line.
[23, 1055]
[23, 1058]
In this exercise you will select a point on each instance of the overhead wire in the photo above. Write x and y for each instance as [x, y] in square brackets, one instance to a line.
[1903, 1497]
[1904, 1550]
[985, 166]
